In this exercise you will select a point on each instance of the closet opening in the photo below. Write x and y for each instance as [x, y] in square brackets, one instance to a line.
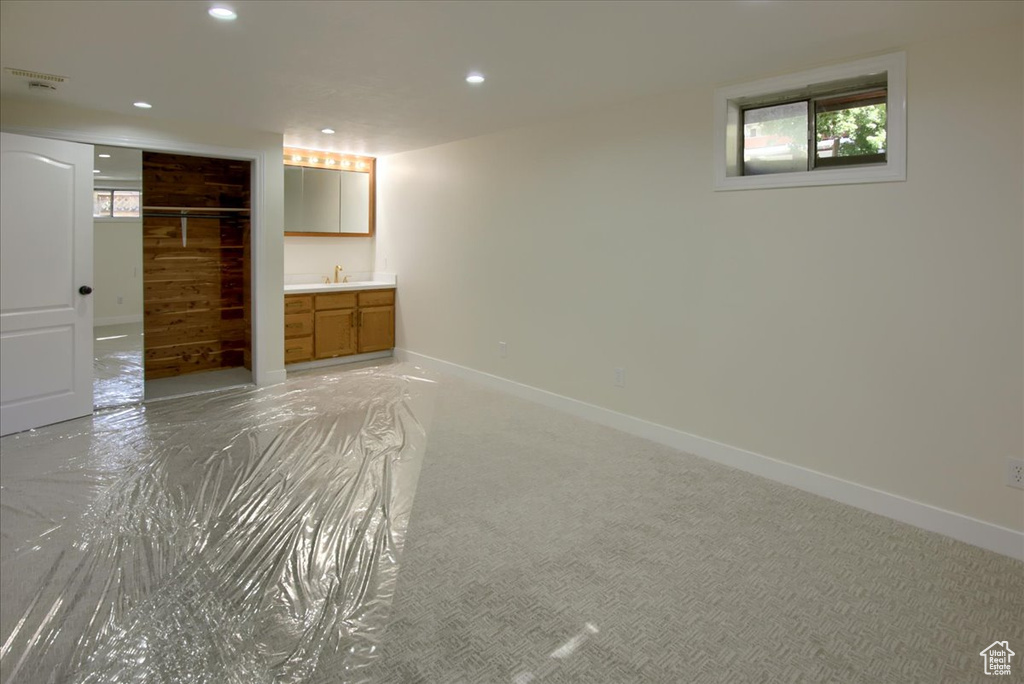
[173, 267]
[197, 273]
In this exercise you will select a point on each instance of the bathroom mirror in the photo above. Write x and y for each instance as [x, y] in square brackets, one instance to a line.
[328, 194]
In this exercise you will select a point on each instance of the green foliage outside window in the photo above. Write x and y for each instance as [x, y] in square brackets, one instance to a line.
[861, 130]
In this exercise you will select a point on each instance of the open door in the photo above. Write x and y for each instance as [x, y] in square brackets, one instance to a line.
[45, 281]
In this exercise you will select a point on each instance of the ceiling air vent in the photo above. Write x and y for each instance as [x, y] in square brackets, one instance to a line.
[40, 87]
[37, 76]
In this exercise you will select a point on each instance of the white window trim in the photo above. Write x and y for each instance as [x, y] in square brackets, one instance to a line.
[117, 219]
[728, 135]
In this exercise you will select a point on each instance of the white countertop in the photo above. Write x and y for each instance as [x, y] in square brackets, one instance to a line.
[300, 288]
[299, 283]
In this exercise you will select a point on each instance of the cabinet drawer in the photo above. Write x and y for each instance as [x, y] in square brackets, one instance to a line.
[298, 304]
[377, 298]
[298, 349]
[340, 300]
[298, 325]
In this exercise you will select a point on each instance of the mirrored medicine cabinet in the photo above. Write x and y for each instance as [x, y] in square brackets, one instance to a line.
[327, 194]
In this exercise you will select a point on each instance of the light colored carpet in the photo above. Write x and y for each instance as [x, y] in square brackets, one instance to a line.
[540, 549]
[543, 548]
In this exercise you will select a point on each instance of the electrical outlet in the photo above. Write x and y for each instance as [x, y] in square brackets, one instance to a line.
[620, 377]
[1015, 473]
[502, 350]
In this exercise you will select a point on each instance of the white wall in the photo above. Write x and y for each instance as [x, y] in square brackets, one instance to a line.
[117, 271]
[870, 332]
[320, 254]
[146, 131]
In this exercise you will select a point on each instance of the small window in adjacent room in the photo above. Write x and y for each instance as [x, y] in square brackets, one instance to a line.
[116, 203]
[841, 124]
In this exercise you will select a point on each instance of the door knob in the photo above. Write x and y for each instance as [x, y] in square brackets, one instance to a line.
[85, 289]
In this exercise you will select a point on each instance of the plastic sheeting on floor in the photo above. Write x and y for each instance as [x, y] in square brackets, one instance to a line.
[249, 536]
[118, 378]
[118, 367]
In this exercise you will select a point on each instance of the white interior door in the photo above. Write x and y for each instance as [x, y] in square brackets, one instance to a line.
[45, 279]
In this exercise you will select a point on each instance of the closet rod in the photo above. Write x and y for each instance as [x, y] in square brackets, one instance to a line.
[180, 214]
[185, 213]
[206, 209]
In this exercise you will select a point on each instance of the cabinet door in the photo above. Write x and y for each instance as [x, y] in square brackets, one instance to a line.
[335, 333]
[376, 328]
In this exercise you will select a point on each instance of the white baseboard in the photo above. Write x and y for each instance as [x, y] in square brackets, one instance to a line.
[338, 361]
[117, 320]
[955, 525]
[271, 378]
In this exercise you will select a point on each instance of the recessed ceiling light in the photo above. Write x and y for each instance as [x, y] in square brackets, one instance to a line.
[143, 105]
[104, 156]
[223, 13]
[95, 170]
[328, 131]
[475, 78]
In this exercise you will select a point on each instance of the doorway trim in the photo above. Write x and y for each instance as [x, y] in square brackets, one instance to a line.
[261, 373]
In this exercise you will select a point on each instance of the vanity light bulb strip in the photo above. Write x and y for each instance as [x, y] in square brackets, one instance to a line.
[300, 157]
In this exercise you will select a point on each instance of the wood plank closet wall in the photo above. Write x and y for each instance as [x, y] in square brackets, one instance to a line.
[196, 296]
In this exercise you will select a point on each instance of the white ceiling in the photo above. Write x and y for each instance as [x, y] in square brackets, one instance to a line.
[389, 76]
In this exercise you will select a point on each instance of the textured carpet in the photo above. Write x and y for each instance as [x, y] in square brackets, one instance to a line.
[543, 548]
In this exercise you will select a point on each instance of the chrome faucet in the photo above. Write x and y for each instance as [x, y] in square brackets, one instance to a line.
[338, 269]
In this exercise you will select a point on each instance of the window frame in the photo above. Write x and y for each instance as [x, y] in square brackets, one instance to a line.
[110, 216]
[812, 85]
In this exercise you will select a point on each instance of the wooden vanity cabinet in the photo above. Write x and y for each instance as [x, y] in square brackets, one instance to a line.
[334, 325]
[298, 328]
[328, 325]
[376, 320]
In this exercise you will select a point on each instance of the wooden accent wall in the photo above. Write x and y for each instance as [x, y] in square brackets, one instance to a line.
[196, 297]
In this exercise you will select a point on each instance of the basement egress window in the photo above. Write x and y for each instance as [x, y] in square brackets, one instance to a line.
[835, 125]
[116, 203]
